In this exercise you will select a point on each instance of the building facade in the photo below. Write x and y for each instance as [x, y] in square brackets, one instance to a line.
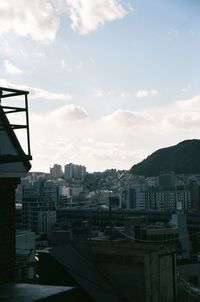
[156, 199]
[74, 172]
[56, 172]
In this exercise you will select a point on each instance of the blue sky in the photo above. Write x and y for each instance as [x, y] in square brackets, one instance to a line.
[110, 81]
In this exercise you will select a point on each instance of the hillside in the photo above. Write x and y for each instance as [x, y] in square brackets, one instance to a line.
[181, 158]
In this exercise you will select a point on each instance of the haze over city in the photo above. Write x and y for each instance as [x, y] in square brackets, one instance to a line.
[110, 81]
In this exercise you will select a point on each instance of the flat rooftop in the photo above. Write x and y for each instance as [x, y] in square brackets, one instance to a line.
[21, 292]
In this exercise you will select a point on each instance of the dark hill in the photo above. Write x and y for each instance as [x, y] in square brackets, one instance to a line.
[181, 158]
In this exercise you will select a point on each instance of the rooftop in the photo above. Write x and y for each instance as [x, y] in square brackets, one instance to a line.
[21, 292]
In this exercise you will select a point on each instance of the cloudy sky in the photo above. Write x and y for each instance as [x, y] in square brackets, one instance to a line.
[110, 81]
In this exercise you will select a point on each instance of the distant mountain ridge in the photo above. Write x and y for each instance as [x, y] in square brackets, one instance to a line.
[181, 158]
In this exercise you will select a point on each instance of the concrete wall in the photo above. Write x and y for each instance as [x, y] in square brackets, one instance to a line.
[143, 273]
[159, 278]
[127, 276]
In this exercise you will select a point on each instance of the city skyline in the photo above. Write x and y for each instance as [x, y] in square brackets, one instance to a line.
[110, 81]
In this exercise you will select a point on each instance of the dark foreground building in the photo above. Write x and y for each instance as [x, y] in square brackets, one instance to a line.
[14, 163]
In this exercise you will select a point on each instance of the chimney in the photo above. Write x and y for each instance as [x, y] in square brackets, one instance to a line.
[14, 163]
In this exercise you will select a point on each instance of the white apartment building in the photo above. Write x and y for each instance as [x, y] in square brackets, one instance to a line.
[138, 198]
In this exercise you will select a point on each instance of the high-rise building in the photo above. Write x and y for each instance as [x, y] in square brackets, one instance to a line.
[64, 196]
[194, 188]
[69, 171]
[138, 198]
[74, 172]
[56, 172]
[39, 207]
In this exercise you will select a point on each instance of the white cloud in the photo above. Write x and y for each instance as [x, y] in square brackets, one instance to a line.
[87, 15]
[110, 93]
[173, 31]
[153, 92]
[142, 93]
[92, 60]
[125, 118]
[37, 93]
[117, 140]
[11, 68]
[108, 152]
[184, 114]
[79, 65]
[39, 19]
[69, 114]
[5, 46]
[63, 64]
[23, 53]
[187, 88]
[98, 93]
[40, 54]
[69, 135]
[124, 95]
[145, 93]
[36, 18]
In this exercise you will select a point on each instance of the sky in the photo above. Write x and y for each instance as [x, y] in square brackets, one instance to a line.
[109, 81]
